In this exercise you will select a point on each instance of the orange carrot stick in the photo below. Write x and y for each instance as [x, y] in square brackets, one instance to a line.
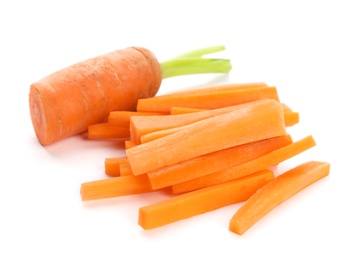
[142, 125]
[201, 201]
[114, 187]
[217, 88]
[122, 118]
[275, 193]
[108, 131]
[66, 102]
[184, 110]
[210, 100]
[268, 160]
[125, 167]
[230, 129]
[291, 117]
[213, 162]
[112, 166]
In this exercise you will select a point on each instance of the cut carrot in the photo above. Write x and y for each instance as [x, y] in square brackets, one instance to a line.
[112, 166]
[142, 125]
[66, 102]
[291, 117]
[114, 187]
[268, 160]
[230, 129]
[217, 88]
[275, 193]
[125, 167]
[122, 118]
[129, 144]
[108, 131]
[213, 162]
[201, 201]
[184, 110]
[210, 100]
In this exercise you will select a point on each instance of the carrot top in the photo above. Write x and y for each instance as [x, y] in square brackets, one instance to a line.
[193, 62]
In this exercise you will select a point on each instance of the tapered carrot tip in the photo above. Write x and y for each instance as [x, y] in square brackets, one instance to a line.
[276, 192]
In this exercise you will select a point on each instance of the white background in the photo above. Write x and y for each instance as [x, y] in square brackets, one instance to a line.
[309, 50]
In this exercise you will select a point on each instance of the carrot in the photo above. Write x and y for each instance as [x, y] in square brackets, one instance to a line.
[230, 129]
[66, 102]
[142, 125]
[275, 193]
[129, 143]
[114, 187]
[291, 117]
[108, 131]
[122, 118]
[213, 162]
[201, 201]
[263, 162]
[184, 110]
[125, 167]
[112, 166]
[211, 100]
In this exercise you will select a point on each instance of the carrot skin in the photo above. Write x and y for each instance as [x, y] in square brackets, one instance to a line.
[66, 102]
[275, 193]
[114, 187]
[263, 162]
[235, 128]
[201, 201]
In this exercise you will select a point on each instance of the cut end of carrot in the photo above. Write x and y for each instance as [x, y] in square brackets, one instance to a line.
[38, 116]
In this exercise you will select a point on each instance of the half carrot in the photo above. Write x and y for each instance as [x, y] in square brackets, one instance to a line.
[268, 160]
[276, 192]
[201, 201]
[214, 162]
[230, 129]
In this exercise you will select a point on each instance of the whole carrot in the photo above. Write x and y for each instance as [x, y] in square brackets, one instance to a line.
[66, 102]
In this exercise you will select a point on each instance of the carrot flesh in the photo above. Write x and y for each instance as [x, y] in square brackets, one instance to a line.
[114, 187]
[66, 102]
[122, 118]
[263, 162]
[184, 110]
[210, 100]
[112, 166]
[275, 192]
[234, 128]
[213, 162]
[125, 168]
[142, 125]
[108, 131]
[201, 201]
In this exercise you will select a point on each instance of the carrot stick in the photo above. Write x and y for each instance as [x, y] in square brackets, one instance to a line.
[268, 160]
[201, 201]
[66, 102]
[184, 110]
[112, 166]
[230, 129]
[213, 162]
[122, 118]
[108, 131]
[114, 187]
[291, 117]
[275, 193]
[142, 125]
[125, 167]
[209, 100]
[129, 144]
[209, 89]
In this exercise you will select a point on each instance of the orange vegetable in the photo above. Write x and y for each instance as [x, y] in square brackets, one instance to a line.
[125, 167]
[114, 187]
[141, 125]
[184, 110]
[108, 131]
[263, 162]
[122, 118]
[201, 201]
[112, 166]
[230, 129]
[207, 100]
[213, 162]
[276, 192]
[66, 102]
